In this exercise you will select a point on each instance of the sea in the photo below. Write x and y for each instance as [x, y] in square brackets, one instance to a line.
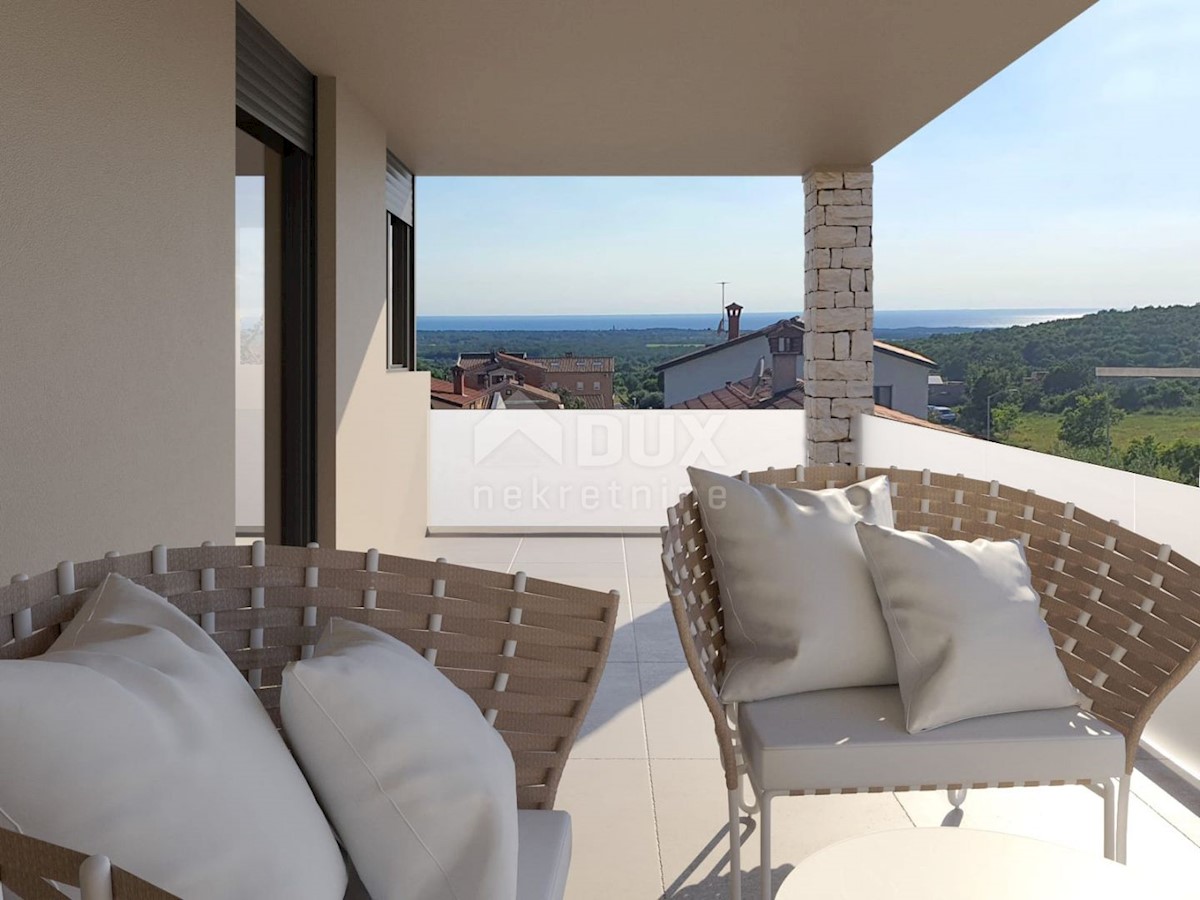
[924, 320]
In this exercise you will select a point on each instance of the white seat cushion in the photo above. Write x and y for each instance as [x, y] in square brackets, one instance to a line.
[855, 738]
[544, 855]
[542, 861]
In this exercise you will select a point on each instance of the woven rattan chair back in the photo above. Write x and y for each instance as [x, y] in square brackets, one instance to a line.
[27, 866]
[528, 652]
[1124, 611]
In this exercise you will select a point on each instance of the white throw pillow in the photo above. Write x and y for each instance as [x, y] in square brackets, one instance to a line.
[421, 789]
[134, 736]
[967, 628]
[800, 608]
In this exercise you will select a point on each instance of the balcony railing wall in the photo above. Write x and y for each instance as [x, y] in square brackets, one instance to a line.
[588, 471]
[526, 471]
[1160, 510]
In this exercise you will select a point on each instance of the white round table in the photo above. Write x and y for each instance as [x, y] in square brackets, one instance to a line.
[960, 864]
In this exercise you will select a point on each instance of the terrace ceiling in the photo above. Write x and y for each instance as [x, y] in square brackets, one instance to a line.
[656, 87]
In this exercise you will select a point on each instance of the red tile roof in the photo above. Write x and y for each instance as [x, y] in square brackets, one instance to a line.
[516, 363]
[508, 387]
[593, 401]
[751, 393]
[443, 391]
[896, 416]
[576, 364]
[571, 364]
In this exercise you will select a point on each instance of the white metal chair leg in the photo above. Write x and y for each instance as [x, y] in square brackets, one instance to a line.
[1110, 818]
[95, 879]
[956, 796]
[1122, 824]
[735, 844]
[764, 819]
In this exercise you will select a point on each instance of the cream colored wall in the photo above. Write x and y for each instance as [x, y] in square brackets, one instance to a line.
[116, 277]
[373, 423]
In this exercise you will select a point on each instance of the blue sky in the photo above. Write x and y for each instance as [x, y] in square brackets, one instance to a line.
[1069, 179]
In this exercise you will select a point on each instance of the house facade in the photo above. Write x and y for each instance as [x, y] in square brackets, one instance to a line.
[589, 379]
[900, 376]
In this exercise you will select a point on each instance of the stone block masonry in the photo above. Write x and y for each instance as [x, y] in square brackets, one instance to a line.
[839, 313]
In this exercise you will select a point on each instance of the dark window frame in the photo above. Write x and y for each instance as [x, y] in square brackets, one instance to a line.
[401, 305]
[275, 102]
[298, 341]
[881, 391]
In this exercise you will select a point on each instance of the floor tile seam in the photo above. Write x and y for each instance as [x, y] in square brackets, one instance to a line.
[899, 803]
[662, 883]
[610, 758]
[1154, 809]
[516, 550]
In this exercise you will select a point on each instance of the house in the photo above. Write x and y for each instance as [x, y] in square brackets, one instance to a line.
[455, 394]
[511, 393]
[515, 395]
[777, 387]
[442, 395]
[900, 375]
[945, 393]
[589, 379]
[497, 393]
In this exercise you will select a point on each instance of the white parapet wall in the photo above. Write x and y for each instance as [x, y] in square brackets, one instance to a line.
[588, 471]
[616, 471]
[250, 441]
[1160, 510]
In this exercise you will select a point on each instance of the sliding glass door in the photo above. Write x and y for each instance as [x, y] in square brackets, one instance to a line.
[258, 219]
[275, 318]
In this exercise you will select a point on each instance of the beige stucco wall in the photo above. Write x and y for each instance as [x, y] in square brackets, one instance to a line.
[373, 423]
[116, 277]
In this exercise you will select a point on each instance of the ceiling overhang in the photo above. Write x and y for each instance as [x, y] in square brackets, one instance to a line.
[650, 87]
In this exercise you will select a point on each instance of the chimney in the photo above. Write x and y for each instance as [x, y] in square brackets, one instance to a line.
[787, 347]
[734, 312]
[457, 372]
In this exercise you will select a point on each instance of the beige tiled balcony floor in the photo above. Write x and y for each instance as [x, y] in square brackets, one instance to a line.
[647, 796]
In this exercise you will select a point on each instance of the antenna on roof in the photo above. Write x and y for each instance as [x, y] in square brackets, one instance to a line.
[721, 326]
[760, 375]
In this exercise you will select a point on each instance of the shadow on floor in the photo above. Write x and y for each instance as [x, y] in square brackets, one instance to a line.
[715, 885]
[1172, 782]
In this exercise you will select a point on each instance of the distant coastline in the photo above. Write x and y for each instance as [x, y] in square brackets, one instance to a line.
[915, 320]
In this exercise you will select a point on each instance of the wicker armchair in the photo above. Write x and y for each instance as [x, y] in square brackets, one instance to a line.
[529, 652]
[1124, 611]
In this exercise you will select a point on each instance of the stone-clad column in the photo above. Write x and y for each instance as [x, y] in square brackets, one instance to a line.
[839, 313]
